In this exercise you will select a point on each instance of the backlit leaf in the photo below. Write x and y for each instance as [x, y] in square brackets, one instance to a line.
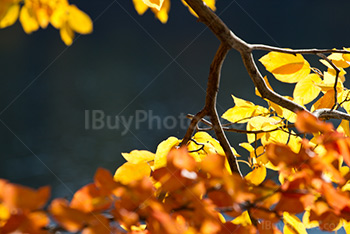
[79, 21]
[162, 13]
[137, 156]
[287, 68]
[10, 17]
[305, 90]
[257, 176]
[129, 172]
[306, 122]
[292, 224]
[140, 6]
[157, 4]
[28, 20]
[162, 151]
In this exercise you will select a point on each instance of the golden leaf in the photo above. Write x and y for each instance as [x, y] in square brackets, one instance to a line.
[157, 4]
[257, 176]
[79, 21]
[10, 17]
[28, 20]
[305, 90]
[67, 34]
[138, 156]
[162, 151]
[287, 68]
[129, 172]
[292, 224]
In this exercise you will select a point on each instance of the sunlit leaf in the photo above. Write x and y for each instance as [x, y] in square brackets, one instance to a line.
[67, 34]
[157, 4]
[90, 199]
[10, 17]
[79, 21]
[21, 197]
[306, 122]
[71, 219]
[305, 90]
[344, 127]
[129, 172]
[28, 20]
[292, 224]
[287, 68]
[257, 176]
[140, 6]
[162, 151]
[163, 13]
[137, 156]
[243, 219]
[209, 3]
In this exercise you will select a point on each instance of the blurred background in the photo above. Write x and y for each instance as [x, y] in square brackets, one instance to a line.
[133, 63]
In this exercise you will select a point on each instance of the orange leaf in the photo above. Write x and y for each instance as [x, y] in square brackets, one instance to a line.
[306, 122]
[89, 199]
[104, 181]
[21, 197]
[71, 219]
[214, 164]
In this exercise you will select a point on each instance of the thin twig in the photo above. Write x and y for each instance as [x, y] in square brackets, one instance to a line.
[296, 51]
[337, 71]
[226, 129]
[226, 36]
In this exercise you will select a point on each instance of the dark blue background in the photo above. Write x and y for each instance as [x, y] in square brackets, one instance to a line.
[127, 65]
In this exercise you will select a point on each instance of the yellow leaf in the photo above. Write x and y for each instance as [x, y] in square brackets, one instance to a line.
[129, 172]
[247, 146]
[287, 114]
[274, 137]
[243, 219]
[163, 149]
[328, 82]
[241, 102]
[346, 57]
[140, 6]
[292, 224]
[42, 17]
[157, 4]
[346, 226]
[306, 220]
[344, 127]
[287, 68]
[162, 14]
[295, 77]
[338, 60]
[209, 3]
[67, 34]
[4, 213]
[28, 20]
[10, 17]
[326, 101]
[240, 112]
[257, 176]
[294, 143]
[305, 90]
[345, 100]
[138, 156]
[79, 21]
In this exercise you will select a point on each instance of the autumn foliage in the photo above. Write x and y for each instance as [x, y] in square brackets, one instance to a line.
[298, 164]
[198, 194]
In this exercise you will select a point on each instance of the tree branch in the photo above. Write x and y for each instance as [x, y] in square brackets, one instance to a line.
[296, 51]
[209, 108]
[226, 36]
